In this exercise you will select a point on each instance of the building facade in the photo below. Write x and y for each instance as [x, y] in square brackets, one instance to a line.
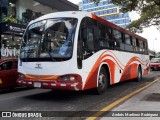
[107, 11]
[22, 11]
[80, 5]
[15, 15]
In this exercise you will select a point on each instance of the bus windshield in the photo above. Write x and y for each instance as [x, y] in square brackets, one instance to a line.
[50, 39]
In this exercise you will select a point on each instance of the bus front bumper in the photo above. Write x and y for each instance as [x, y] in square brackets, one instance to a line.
[50, 84]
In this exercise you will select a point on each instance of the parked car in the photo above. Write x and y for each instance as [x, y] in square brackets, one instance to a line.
[8, 73]
[155, 64]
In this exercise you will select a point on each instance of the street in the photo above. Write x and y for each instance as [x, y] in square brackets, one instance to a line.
[53, 52]
[23, 99]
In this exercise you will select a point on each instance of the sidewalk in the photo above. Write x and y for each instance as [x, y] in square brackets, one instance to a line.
[147, 100]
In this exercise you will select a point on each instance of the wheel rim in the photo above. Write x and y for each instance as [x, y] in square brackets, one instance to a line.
[102, 81]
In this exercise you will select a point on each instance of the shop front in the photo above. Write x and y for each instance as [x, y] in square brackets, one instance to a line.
[10, 39]
[15, 14]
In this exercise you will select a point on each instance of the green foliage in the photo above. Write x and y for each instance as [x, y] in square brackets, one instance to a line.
[149, 11]
[10, 18]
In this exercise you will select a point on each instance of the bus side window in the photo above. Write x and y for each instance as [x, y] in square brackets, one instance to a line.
[88, 41]
[103, 44]
[89, 36]
[141, 46]
[128, 43]
[137, 44]
[135, 48]
[118, 36]
[146, 47]
[109, 37]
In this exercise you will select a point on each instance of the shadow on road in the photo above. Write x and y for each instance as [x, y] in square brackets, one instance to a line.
[57, 95]
[5, 91]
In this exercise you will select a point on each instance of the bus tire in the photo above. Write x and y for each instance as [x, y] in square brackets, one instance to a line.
[139, 74]
[102, 81]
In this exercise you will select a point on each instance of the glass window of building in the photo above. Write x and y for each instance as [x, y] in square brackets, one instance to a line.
[109, 12]
[10, 45]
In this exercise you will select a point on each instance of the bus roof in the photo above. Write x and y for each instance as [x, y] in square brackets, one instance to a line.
[72, 14]
[82, 14]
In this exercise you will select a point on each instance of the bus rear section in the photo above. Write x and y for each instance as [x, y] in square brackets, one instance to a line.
[80, 51]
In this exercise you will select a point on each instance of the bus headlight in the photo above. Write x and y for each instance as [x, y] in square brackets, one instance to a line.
[67, 78]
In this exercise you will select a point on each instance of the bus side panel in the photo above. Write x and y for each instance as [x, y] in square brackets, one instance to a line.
[129, 72]
[120, 68]
[91, 78]
[91, 81]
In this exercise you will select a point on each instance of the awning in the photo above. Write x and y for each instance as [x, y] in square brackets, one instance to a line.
[62, 5]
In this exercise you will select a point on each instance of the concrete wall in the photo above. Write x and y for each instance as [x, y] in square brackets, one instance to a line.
[42, 8]
[22, 5]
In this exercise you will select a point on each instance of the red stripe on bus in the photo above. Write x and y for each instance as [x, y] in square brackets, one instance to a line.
[129, 71]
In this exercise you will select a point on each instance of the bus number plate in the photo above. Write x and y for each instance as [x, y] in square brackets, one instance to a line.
[37, 84]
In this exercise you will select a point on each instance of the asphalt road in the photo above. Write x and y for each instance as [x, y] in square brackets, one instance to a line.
[47, 100]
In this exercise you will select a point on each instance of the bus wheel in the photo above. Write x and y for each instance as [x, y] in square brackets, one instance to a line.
[102, 81]
[139, 74]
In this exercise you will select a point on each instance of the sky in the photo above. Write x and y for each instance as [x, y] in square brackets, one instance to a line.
[151, 33]
[75, 1]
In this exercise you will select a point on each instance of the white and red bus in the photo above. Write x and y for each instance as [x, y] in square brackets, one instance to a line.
[79, 51]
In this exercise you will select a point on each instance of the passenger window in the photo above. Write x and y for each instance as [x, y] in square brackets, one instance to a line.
[88, 39]
[101, 31]
[16, 65]
[146, 47]
[89, 36]
[117, 35]
[137, 42]
[127, 39]
[128, 43]
[91, 22]
[103, 37]
[142, 47]
[134, 42]
[108, 36]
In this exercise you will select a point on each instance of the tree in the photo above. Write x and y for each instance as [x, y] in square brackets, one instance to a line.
[149, 11]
